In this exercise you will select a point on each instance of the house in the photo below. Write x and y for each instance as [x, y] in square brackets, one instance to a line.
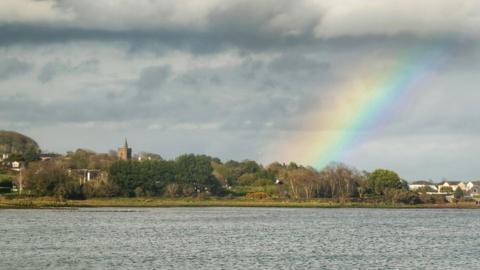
[422, 184]
[473, 188]
[48, 156]
[86, 175]
[450, 184]
[17, 165]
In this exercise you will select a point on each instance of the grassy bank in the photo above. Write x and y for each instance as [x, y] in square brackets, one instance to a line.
[47, 202]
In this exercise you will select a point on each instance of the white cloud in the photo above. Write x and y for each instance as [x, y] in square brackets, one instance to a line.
[378, 17]
[29, 11]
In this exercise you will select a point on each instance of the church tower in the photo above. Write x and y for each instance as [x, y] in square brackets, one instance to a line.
[124, 153]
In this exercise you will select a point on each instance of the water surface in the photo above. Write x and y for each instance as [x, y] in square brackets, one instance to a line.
[239, 238]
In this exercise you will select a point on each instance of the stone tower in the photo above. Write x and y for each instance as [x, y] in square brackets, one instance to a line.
[124, 153]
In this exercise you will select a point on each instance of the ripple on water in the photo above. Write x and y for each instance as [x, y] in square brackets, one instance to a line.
[240, 238]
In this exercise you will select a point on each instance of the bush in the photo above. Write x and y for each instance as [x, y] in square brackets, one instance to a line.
[6, 183]
[173, 190]
[50, 179]
[434, 199]
[99, 188]
[458, 194]
[263, 182]
[247, 179]
[401, 196]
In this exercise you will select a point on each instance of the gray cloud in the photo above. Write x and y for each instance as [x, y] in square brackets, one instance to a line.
[52, 69]
[152, 79]
[11, 67]
[237, 78]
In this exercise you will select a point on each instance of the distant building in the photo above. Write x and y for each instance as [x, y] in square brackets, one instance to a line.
[473, 188]
[124, 153]
[422, 184]
[17, 165]
[450, 184]
[86, 175]
[48, 156]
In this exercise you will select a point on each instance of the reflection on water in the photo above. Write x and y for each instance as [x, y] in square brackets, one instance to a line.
[239, 238]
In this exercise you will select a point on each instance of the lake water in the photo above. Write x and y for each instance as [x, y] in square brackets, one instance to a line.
[239, 238]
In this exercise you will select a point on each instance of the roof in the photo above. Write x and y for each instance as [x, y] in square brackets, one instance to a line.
[422, 183]
[451, 182]
[476, 183]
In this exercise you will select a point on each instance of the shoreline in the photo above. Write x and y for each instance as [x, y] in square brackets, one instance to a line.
[43, 202]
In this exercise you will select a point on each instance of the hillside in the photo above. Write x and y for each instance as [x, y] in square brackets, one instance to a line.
[13, 142]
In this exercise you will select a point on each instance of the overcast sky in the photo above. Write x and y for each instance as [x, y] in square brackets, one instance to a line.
[236, 79]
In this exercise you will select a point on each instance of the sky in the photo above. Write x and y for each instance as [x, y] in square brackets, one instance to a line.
[242, 79]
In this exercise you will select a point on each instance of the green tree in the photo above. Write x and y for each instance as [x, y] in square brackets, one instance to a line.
[195, 172]
[50, 179]
[148, 178]
[381, 179]
[458, 193]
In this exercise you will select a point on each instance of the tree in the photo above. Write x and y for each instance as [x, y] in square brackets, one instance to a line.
[339, 181]
[80, 159]
[195, 173]
[50, 179]
[142, 178]
[458, 193]
[302, 182]
[381, 179]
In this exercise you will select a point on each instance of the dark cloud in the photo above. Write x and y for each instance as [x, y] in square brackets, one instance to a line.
[12, 67]
[52, 69]
[152, 79]
[238, 72]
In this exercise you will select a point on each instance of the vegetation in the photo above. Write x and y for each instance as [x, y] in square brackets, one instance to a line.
[21, 146]
[6, 183]
[50, 179]
[35, 202]
[194, 177]
[458, 193]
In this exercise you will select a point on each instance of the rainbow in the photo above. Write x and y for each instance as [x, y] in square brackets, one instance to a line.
[362, 106]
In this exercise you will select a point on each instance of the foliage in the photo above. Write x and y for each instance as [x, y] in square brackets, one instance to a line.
[433, 199]
[380, 180]
[50, 179]
[340, 181]
[195, 174]
[141, 178]
[98, 188]
[446, 189]
[424, 189]
[458, 193]
[302, 182]
[86, 159]
[16, 143]
[395, 195]
[6, 184]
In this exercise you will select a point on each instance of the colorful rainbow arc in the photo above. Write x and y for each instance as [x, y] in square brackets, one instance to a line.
[369, 106]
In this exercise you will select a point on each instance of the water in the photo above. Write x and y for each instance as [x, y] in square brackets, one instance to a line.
[239, 238]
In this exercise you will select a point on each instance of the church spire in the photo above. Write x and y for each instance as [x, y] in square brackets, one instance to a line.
[124, 152]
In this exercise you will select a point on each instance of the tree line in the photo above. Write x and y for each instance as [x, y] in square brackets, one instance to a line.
[200, 175]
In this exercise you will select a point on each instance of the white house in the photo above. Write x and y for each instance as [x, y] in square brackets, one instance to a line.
[17, 165]
[422, 184]
[85, 175]
[451, 184]
[473, 188]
